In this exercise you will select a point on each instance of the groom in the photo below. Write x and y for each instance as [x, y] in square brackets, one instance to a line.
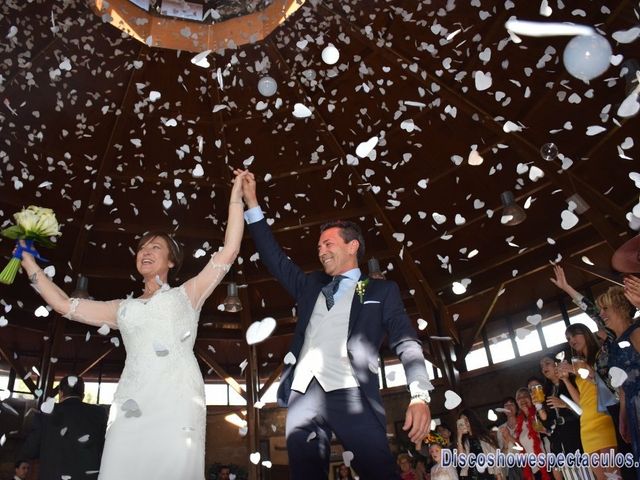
[330, 383]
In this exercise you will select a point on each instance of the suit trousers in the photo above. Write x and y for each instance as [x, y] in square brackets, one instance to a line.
[313, 416]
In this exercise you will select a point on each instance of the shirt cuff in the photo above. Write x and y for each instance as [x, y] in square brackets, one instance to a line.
[578, 300]
[253, 215]
[420, 389]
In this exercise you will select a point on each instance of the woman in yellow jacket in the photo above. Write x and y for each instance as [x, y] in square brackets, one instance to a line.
[597, 431]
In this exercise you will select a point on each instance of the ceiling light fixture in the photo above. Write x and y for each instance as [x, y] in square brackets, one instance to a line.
[512, 213]
[232, 303]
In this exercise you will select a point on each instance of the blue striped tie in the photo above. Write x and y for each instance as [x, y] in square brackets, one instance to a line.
[330, 289]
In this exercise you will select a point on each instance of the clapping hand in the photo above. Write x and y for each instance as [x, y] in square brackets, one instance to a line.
[632, 289]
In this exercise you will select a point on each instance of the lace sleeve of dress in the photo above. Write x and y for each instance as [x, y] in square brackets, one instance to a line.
[202, 285]
[92, 312]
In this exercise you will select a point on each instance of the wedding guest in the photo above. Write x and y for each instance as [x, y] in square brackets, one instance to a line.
[21, 470]
[528, 434]
[473, 437]
[507, 433]
[563, 424]
[445, 432]
[421, 469]
[63, 455]
[597, 431]
[344, 472]
[438, 471]
[611, 308]
[224, 472]
[614, 310]
[406, 468]
[330, 382]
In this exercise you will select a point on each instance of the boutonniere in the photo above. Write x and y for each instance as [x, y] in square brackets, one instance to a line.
[361, 288]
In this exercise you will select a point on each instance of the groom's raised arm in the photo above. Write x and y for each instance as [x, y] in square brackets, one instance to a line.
[292, 278]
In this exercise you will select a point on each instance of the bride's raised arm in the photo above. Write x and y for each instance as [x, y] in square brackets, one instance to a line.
[200, 287]
[90, 312]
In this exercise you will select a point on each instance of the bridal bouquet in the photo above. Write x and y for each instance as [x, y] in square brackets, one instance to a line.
[33, 224]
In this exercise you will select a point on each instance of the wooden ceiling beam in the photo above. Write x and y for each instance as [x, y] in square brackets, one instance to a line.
[272, 378]
[210, 362]
[203, 233]
[131, 229]
[88, 366]
[14, 363]
[466, 347]
[530, 268]
[495, 262]
[565, 180]
[208, 182]
[537, 188]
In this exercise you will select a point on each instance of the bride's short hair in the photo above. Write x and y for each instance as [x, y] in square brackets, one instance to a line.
[176, 254]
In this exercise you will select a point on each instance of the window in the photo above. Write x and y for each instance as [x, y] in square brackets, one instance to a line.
[98, 393]
[235, 398]
[430, 369]
[107, 391]
[216, 393]
[271, 395]
[530, 343]
[395, 375]
[476, 358]
[554, 333]
[4, 385]
[501, 349]
[584, 318]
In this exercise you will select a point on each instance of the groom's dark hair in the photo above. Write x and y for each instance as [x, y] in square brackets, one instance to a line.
[348, 231]
[66, 388]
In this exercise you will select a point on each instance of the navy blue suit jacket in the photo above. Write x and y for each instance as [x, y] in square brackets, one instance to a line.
[63, 454]
[380, 313]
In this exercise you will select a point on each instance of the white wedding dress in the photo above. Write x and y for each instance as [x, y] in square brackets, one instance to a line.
[157, 421]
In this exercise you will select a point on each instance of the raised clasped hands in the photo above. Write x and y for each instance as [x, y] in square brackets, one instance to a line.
[238, 182]
[248, 186]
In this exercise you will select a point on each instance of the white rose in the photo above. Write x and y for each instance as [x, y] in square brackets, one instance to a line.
[38, 220]
[26, 219]
[47, 225]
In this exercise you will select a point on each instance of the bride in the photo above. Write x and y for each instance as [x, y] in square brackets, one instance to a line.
[157, 420]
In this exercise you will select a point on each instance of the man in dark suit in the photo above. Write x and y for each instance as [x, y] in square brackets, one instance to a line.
[69, 441]
[21, 471]
[330, 383]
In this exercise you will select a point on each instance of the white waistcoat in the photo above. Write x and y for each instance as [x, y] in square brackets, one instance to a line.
[324, 352]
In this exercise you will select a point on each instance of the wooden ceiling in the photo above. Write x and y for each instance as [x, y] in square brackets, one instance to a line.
[80, 134]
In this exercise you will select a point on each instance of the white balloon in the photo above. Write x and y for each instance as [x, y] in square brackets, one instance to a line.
[267, 86]
[587, 56]
[330, 54]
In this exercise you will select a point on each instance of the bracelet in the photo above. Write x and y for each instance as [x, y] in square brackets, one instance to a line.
[421, 396]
